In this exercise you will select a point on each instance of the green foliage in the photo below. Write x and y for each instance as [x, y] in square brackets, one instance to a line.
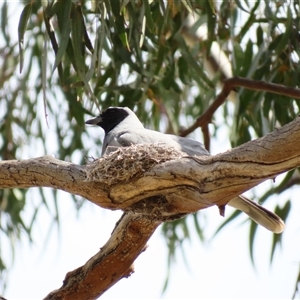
[78, 57]
[176, 233]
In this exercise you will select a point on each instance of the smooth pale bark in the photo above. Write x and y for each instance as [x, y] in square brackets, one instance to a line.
[151, 184]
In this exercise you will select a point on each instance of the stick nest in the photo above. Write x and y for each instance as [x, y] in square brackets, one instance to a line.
[128, 163]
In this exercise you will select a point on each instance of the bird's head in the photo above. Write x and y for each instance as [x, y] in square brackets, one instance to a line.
[110, 118]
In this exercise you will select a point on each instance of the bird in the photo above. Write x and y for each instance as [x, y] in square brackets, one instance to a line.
[122, 128]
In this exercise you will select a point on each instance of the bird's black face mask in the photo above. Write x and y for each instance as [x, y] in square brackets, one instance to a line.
[109, 118]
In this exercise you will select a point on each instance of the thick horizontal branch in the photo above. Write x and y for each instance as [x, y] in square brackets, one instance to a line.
[184, 184]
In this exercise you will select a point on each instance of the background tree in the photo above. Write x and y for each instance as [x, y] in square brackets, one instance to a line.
[78, 57]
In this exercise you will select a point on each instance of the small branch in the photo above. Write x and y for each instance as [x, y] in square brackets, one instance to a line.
[229, 85]
[264, 86]
[112, 263]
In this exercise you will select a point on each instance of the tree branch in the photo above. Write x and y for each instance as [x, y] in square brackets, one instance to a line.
[152, 184]
[132, 174]
[229, 85]
[112, 263]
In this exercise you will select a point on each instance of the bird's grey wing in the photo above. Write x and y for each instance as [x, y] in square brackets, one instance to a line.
[146, 136]
[105, 143]
[111, 142]
[140, 136]
[257, 213]
[116, 139]
[190, 146]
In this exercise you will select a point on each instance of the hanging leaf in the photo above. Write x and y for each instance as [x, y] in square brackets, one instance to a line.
[24, 18]
[65, 26]
[277, 238]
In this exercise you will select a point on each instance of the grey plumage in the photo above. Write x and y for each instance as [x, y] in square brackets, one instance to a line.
[123, 128]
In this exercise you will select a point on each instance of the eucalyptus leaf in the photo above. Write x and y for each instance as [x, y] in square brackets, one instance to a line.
[24, 18]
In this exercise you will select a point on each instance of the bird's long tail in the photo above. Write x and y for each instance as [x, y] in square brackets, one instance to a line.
[257, 213]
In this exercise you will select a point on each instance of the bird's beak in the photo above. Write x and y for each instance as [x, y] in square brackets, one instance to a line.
[94, 121]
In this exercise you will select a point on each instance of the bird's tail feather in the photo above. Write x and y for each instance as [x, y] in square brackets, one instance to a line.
[257, 213]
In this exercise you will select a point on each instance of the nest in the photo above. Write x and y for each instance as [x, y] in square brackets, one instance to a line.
[128, 163]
